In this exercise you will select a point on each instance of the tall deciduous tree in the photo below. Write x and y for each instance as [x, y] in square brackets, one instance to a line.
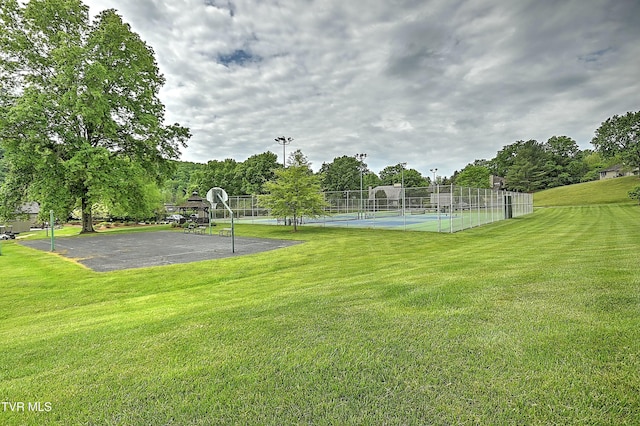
[297, 158]
[177, 189]
[80, 117]
[342, 174]
[221, 174]
[474, 177]
[563, 149]
[256, 170]
[620, 135]
[504, 159]
[564, 162]
[396, 174]
[527, 173]
[370, 179]
[295, 192]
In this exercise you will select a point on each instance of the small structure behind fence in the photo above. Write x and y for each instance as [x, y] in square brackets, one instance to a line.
[439, 208]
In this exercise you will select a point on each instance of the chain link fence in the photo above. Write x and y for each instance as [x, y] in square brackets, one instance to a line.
[439, 208]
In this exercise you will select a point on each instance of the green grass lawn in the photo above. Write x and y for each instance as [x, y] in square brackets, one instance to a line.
[68, 230]
[607, 191]
[534, 320]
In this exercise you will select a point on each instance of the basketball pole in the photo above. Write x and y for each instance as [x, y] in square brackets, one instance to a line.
[233, 234]
[51, 224]
[233, 228]
[221, 195]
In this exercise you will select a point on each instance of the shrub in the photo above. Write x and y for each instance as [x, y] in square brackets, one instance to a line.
[634, 194]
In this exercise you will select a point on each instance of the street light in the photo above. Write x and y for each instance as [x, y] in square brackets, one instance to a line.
[360, 158]
[402, 186]
[284, 142]
[434, 175]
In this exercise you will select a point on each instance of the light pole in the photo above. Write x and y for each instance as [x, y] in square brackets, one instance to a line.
[402, 186]
[284, 141]
[434, 183]
[360, 158]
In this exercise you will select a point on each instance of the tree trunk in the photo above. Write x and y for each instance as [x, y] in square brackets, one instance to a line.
[87, 217]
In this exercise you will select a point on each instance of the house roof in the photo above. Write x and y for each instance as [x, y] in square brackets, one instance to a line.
[195, 202]
[29, 208]
[619, 168]
[391, 191]
[615, 168]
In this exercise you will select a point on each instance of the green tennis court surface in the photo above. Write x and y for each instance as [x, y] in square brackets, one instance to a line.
[430, 222]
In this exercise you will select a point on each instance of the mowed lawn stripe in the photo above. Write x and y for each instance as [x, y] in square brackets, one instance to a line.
[532, 320]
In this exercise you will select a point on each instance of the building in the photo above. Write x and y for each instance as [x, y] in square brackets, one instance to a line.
[616, 171]
[27, 218]
[497, 182]
[390, 192]
[196, 208]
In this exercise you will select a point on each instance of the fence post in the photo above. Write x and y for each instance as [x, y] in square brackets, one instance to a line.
[451, 209]
[438, 207]
[478, 207]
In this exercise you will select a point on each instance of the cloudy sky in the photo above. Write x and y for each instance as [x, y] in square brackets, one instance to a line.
[433, 83]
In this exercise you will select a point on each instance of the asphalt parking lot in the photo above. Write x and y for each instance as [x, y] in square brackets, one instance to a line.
[111, 252]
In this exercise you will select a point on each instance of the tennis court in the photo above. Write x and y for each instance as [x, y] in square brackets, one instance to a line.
[394, 220]
[409, 220]
[440, 208]
[384, 219]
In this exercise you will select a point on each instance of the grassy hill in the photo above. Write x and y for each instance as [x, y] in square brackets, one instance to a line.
[608, 191]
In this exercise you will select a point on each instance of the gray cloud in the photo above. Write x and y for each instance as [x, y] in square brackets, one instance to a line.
[436, 84]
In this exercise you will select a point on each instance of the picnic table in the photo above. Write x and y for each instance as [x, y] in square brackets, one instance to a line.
[195, 229]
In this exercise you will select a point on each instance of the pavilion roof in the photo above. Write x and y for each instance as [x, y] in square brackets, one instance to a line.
[195, 202]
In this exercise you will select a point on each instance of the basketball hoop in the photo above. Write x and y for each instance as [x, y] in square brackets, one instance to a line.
[218, 194]
[215, 194]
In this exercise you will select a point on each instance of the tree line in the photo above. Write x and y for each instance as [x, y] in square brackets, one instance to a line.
[529, 166]
[525, 166]
[251, 176]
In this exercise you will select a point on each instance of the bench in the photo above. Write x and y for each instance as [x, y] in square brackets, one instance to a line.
[200, 230]
[225, 232]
